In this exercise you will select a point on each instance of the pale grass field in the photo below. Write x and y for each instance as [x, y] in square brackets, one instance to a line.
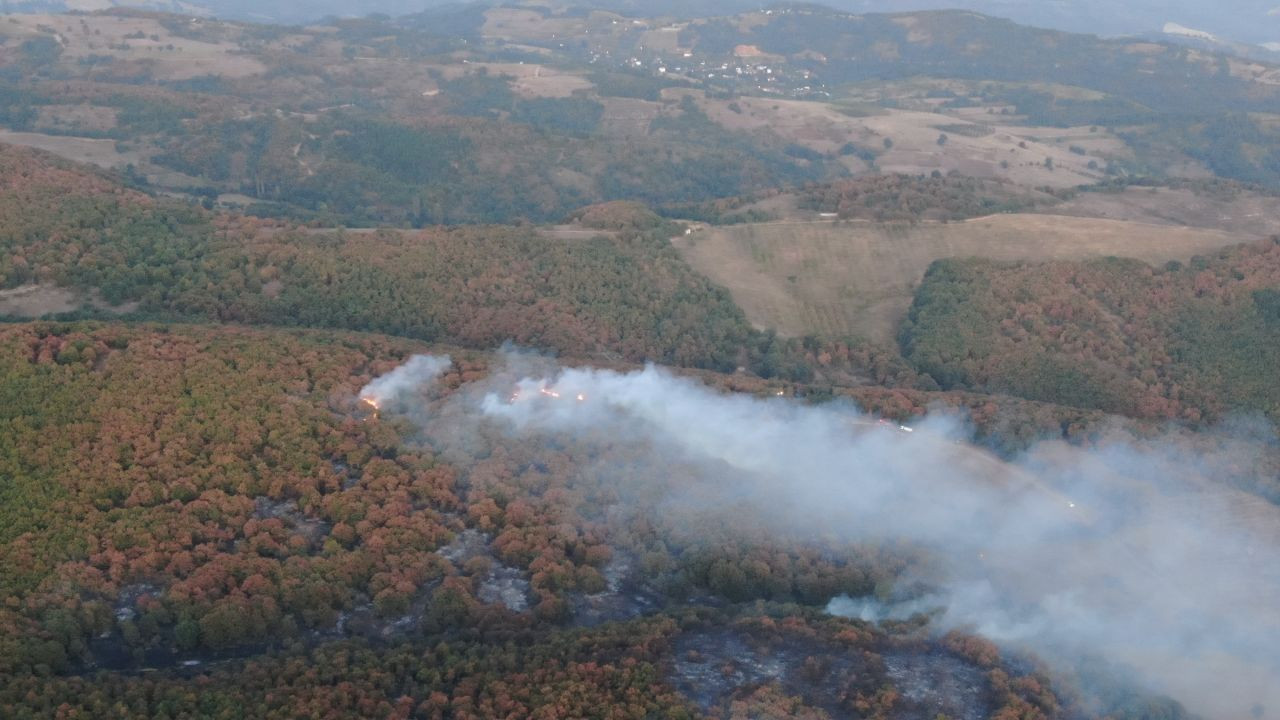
[858, 278]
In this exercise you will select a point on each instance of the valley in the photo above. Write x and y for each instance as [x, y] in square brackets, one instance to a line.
[590, 359]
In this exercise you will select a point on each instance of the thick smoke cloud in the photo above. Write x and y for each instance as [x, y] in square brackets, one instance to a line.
[1129, 553]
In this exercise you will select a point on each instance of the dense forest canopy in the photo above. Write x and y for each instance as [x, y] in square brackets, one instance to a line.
[232, 497]
[1175, 342]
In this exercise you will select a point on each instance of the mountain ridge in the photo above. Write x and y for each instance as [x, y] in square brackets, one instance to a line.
[1254, 24]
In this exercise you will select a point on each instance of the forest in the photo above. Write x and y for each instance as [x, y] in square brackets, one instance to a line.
[1191, 342]
[203, 513]
[899, 198]
[244, 522]
[624, 294]
[497, 171]
[232, 498]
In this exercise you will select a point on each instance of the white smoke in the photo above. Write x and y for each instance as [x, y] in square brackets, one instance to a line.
[417, 371]
[872, 610]
[1125, 552]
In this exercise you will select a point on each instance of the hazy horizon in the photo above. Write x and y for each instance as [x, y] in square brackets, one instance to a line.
[1255, 22]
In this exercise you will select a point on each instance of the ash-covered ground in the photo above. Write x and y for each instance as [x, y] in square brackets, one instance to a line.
[719, 668]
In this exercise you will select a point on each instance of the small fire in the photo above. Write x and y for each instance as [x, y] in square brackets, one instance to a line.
[545, 392]
[375, 407]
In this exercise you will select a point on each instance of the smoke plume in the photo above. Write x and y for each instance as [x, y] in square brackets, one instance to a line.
[1128, 552]
[419, 370]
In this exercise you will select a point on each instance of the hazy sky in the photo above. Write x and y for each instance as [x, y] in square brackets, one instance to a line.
[1236, 20]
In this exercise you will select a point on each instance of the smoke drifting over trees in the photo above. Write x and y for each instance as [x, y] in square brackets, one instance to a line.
[1128, 553]
[419, 370]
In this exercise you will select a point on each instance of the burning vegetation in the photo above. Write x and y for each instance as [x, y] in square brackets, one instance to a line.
[638, 541]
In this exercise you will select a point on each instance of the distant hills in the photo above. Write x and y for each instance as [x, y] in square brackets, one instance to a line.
[1247, 21]
[1250, 22]
[270, 11]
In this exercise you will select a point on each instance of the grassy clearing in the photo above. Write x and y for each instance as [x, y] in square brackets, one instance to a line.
[805, 277]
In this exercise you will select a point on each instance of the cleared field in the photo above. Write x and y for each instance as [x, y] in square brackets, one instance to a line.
[1245, 212]
[90, 151]
[547, 83]
[516, 25]
[911, 142]
[34, 301]
[527, 79]
[102, 153]
[510, 24]
[832, 278]
[37, 301]
[573, 232]
[136, 39]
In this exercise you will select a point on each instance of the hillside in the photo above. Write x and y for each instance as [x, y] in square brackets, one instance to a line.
[215, 505]
[486, 115]
[635, 361]
[832, 278]
[1250, 21]
[442, 139]
[294, 521]
[845, 48]
[621, 294]
[1181, 341]
[479, 286]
